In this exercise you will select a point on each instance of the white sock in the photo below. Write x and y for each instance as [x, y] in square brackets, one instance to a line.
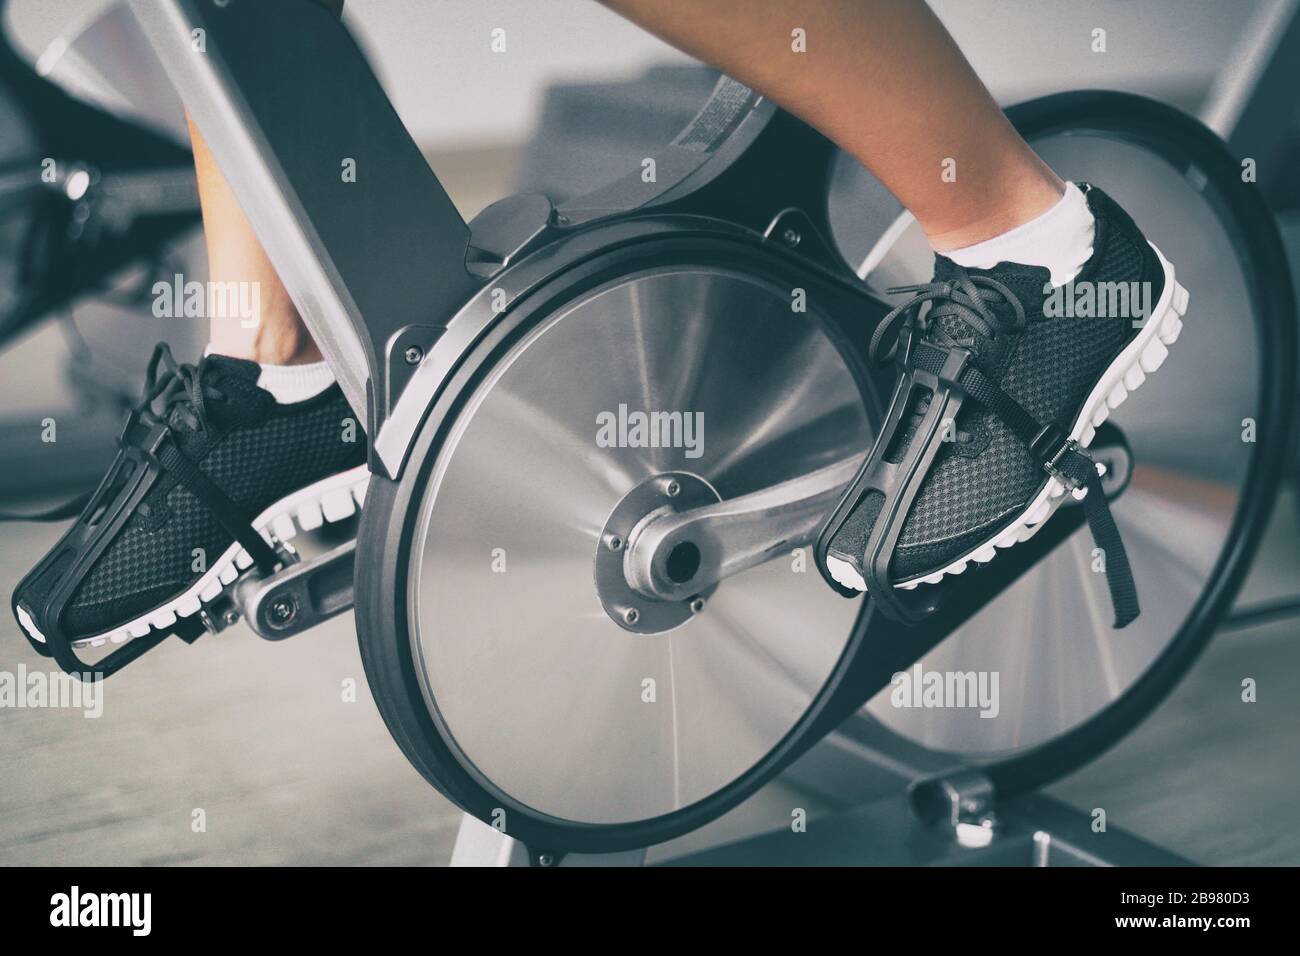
[295, 383]
[1060, 240]
[291, 383]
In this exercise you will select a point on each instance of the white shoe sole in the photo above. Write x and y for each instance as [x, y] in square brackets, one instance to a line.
[328, 500]
[1146, 353]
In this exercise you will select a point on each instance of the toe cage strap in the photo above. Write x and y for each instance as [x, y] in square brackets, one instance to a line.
[1063, 459]
[1119, 576]
[228, 514]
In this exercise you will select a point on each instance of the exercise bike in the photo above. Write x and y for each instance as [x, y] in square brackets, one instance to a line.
[597, 647]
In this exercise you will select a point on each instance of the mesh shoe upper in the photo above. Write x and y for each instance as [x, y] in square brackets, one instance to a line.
[253, 449]
[985, 477]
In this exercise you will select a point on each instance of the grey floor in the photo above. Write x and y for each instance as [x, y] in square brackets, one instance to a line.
[1208, 775]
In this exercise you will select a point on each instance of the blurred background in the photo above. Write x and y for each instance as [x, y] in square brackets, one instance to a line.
[260, 735]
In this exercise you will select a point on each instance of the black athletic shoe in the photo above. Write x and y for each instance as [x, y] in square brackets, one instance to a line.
[1004, 383]
[212, 475]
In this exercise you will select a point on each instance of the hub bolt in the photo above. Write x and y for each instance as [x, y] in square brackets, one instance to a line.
[413, 355]
[631, 615]
[230, 618]
[614, 542]
[281, 611]
[791, 237]
[696, 604]
[672, 489]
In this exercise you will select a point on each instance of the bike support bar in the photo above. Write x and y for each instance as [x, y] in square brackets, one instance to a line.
[359, 229]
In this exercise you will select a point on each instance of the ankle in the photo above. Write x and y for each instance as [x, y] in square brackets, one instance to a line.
[268, 347]
[994, 212]
[1059, 239]
[285, 353]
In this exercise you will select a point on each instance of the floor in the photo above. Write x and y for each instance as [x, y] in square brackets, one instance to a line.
[1208, 775]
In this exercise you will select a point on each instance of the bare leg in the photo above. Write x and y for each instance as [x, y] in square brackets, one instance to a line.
[235, 255]
[884, 80]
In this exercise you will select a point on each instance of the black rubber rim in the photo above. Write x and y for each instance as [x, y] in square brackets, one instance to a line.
[1185, 143]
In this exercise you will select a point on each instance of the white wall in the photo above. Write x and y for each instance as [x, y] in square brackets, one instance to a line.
[434, 56]
[453, 91]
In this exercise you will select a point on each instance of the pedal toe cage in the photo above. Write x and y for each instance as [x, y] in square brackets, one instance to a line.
[896, 474]
[147, 452]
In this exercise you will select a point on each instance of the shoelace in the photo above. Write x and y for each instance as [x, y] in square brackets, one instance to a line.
[965, 298]
[181, 388]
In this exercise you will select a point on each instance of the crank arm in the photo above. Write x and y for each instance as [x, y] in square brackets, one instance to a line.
[674, 555]
[719, 540]
[299, 596]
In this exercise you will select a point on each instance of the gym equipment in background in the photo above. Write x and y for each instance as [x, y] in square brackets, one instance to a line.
[98, 203]
[485, 354]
